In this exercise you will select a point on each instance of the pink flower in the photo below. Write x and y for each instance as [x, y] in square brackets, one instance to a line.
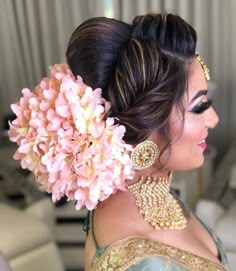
[64, 140]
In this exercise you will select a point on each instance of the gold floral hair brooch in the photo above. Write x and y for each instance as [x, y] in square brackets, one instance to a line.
[204, 67]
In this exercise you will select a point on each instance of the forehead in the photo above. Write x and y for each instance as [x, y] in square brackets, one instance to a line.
[197, 80]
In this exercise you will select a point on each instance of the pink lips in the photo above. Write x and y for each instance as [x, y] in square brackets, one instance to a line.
[203, 143]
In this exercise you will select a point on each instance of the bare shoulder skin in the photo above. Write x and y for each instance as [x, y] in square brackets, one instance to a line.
[118, 218]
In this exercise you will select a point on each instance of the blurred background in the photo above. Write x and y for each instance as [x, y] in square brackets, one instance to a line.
[34, 35]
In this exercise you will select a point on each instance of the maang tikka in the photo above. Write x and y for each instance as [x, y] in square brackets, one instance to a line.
[206, 70]
[157, 205]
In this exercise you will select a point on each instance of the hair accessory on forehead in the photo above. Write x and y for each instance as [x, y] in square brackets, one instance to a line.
[204, 67]
[65, 141]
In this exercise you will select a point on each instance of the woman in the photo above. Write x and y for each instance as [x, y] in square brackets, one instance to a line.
[155, 120]
[156, 84]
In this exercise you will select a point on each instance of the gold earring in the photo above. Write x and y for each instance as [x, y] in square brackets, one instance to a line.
[144, 155]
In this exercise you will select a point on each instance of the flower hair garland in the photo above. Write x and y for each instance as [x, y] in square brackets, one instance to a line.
[65, 141]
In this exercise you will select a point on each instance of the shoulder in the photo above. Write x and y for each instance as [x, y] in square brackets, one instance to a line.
[116, 219]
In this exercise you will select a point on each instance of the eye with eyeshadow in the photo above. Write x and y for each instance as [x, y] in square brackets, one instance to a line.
[201, 107]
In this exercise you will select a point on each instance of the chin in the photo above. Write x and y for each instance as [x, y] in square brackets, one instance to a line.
[191, 166]
[185, 162]
[199, 164]
[197, 161]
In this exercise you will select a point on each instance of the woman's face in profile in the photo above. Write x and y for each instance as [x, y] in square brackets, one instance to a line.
[187, 151]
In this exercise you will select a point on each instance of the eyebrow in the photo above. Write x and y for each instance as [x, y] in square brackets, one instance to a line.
[200, 93]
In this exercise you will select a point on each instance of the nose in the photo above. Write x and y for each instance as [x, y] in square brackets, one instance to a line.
[212, 118]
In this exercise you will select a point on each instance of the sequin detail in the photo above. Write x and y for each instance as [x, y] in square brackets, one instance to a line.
[125, 253]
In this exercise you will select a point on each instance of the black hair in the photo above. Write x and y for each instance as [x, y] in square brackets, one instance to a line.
[142, 68]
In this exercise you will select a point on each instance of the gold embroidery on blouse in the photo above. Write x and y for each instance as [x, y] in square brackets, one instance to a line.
[125, 253]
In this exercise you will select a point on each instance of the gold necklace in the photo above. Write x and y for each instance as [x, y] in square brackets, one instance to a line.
[157, 205]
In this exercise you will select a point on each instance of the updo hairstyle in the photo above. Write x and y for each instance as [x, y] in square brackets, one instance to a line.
[142, 69]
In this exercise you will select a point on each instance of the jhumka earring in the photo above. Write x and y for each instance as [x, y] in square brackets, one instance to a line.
[144, 155]
[157, 205]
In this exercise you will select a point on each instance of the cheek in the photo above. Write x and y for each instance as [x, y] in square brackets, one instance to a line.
[185, 149]
[191, 133]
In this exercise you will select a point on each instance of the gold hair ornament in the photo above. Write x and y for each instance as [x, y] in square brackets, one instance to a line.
[204, 67]
[157, 205]
[144, 155]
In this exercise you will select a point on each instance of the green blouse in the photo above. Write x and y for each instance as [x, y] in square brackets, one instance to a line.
[139, 253]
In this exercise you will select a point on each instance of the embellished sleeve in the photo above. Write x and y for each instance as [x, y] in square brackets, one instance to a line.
[142, 254]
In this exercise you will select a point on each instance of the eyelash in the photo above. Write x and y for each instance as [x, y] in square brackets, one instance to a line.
[201, 107]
